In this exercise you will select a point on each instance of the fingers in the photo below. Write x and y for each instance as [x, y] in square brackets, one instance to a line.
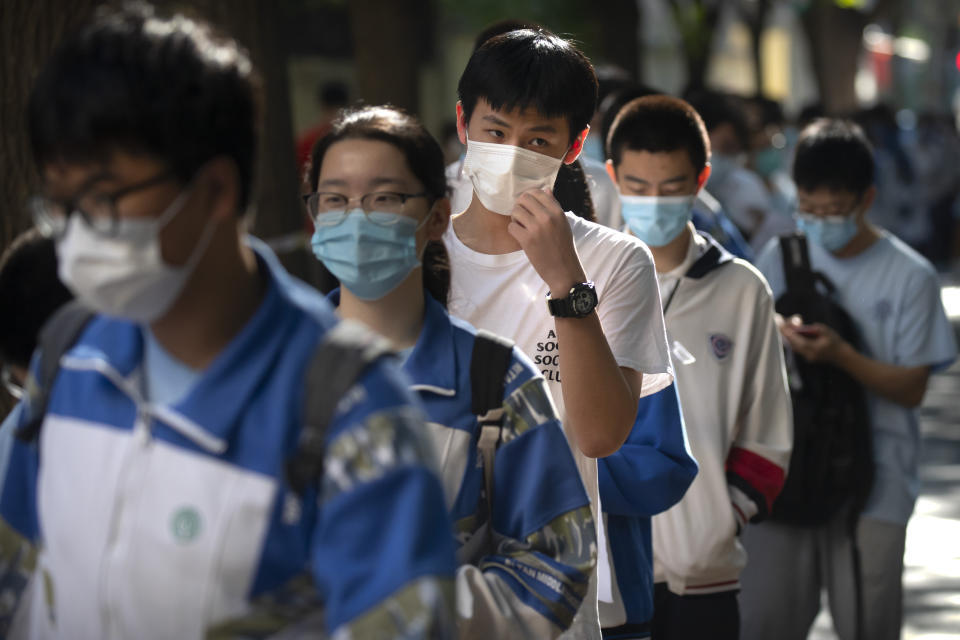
[540, 203]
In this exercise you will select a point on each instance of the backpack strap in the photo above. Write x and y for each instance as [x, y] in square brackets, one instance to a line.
[489, 363]
[337, 364]
[797, 273]
[59, 333]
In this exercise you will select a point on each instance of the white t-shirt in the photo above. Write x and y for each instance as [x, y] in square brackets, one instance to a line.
[504, 294]
[893, 294]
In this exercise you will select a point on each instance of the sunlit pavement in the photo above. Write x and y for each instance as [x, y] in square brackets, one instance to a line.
[932, 559]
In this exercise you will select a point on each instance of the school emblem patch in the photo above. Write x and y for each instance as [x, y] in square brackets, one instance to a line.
[185, 524]
[721, 345]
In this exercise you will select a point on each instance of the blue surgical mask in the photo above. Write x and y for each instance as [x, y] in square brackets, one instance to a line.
[368, 258]
[832, 233]
[768, 161]
[657, 220]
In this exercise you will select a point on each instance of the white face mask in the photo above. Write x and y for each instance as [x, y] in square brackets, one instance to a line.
[125, 275]
[501, 172]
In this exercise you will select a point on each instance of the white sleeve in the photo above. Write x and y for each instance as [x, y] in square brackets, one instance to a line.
[632, 319]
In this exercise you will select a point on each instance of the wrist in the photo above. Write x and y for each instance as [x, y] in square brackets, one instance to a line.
[561, 285]
[843, 355]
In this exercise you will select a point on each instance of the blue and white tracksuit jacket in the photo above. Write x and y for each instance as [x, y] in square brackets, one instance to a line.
[647, 475]
[530, 580]
[176, 521]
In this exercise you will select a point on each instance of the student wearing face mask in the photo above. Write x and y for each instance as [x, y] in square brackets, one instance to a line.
[379, 204]
[729, 366]
[893, 296]
[581, 300]
[153, 471]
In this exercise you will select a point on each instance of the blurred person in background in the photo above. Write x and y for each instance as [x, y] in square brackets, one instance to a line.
[154, 471]
[893, 296]
[740, 191]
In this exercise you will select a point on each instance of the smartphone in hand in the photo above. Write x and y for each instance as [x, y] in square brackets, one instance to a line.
[808, 331]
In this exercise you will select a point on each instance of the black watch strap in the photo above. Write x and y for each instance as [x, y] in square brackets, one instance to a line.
[578, 303]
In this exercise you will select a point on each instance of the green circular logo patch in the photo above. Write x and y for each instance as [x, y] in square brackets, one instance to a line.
[185, 524]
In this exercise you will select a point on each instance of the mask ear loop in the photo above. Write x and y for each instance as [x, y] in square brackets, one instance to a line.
[420, 226]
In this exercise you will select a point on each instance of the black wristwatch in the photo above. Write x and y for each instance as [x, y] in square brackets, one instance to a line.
[579, 303]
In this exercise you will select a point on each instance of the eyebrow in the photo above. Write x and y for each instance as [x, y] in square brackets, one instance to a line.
[90, 182]
[376, 182]
[495, 120]
[672, 180]
[540, 128]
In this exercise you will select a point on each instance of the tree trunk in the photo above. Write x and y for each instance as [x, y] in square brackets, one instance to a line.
[388, 37]
[696, 21]
[620, 45]
[756, 20]
[835, 43]
[29, 31]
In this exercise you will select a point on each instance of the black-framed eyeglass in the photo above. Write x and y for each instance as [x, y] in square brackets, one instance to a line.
[329, 208]
[13, 387]
[97, 210]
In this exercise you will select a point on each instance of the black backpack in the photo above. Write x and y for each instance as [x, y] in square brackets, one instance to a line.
[338, 362]
[831, 466]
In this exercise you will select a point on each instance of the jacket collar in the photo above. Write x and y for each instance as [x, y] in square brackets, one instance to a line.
[432, 365]
[713, 258]
[214, 406]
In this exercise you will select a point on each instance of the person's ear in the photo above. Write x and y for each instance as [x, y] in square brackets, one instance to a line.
[704, 176]
[576, 146]
[611, 171]
[221, 180]
[461, 124]
[439, 220]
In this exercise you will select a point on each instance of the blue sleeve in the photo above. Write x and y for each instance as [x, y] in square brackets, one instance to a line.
[18, 495]
[654, 467]
[382, 552]
[532, 573]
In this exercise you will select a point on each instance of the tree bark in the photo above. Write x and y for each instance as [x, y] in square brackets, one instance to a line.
[836, 37]
[620, 45]
[389, 37]
[696, 21]
[29, 31]
[756, 20]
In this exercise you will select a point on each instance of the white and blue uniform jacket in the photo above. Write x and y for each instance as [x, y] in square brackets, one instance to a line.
[529, 580]
[177, 522]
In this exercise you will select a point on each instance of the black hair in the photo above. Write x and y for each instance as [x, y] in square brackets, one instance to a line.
[30, 292]
[572, 191]
[504, 26]
[531, 68]
[659, 123]
[614, 102]
[424, 158]
[833, 154]
[717, 108]
[132, 81]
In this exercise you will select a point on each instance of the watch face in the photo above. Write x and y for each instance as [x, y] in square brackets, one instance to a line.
[583, 300]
